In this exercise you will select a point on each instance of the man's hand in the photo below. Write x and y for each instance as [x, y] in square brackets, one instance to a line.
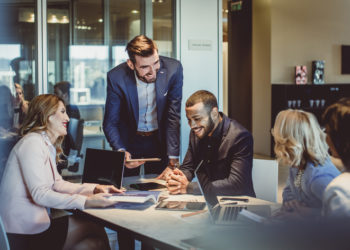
[173, 163]
[177, 182]
[107, 189]
[164, 175]
[132, 164]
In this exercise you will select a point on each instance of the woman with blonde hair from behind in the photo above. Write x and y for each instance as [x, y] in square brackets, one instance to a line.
[301, 145]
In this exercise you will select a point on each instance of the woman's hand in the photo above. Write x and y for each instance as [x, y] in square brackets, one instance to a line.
[291, 206]
[99, 200]
[107, 189]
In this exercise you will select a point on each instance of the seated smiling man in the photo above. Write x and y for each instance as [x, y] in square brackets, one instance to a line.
[224, 146]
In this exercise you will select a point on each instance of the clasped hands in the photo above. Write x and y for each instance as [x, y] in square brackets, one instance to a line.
[177, 182]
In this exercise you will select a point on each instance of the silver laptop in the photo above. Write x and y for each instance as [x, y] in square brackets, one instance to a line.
[226, 214]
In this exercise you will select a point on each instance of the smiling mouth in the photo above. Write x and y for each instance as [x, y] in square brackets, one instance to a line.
[197, 130]
[65, 125]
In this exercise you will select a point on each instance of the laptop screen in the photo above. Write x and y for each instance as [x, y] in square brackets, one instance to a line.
[103, 167]
[205, 186]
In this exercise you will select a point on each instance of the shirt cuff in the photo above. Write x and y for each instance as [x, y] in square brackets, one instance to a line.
[173, 157]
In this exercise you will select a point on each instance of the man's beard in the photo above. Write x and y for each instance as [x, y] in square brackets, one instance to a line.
[142, 78]
[209, 128]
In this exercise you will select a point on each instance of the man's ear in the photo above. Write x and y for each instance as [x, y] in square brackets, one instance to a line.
[214, 113]
[130, 64]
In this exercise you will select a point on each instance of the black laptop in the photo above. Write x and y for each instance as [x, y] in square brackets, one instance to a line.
[226, 214]
[103, 167]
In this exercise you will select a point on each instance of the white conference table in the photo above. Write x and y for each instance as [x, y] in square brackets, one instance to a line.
[162, 229]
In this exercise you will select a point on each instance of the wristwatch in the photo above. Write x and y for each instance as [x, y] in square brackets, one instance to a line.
[173, 166]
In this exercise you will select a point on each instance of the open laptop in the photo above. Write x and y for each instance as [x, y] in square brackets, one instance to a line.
[104, 167]
[226, 214]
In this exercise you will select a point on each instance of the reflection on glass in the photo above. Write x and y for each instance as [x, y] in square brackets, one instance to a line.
[18, 45]
[119, 55]
[125, 21]
[163, 24]
[87, 28]
[89, 66]
[17, 65]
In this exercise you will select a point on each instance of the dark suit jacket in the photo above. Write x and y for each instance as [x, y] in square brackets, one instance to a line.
[122, 108]
[233, 175]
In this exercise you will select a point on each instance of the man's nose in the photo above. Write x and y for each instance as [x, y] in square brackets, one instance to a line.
[152, 70]
[192, 124]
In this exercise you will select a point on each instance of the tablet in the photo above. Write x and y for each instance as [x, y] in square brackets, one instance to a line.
[144, 159]
[147, 186]
[181, 205]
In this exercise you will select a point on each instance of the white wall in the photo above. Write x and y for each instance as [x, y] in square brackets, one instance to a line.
[261, 81]
[199, 20]
[303, 31]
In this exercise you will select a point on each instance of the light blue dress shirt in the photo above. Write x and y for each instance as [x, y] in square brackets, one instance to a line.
[147, 106]
[312, 183]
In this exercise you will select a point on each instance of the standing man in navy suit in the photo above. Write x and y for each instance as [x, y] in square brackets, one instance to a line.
[143, 105]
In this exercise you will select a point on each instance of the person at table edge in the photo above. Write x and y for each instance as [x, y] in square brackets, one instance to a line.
[224, 145]
[143, 107]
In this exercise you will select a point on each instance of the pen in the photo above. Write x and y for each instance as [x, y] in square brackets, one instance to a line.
[233, 199]
[193, 213]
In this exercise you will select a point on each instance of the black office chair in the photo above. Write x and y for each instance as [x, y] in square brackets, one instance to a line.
[72, 146]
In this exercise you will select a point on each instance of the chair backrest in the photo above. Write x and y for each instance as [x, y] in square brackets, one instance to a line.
[4, 244]
[75, 133]
[265, 179]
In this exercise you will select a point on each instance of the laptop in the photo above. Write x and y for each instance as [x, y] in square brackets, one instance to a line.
[226, 214]
[103, 167]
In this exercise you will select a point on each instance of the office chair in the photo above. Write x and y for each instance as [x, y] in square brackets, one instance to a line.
[4, 244]
[72, 145]
[265, 179]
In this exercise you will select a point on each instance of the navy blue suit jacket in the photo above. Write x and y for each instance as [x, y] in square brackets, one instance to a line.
[122, 107]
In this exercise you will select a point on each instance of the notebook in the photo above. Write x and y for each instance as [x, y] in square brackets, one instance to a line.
[103, 167]
[225, 214]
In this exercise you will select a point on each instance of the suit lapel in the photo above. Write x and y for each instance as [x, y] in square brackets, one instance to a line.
[161, 92]
[130, 83]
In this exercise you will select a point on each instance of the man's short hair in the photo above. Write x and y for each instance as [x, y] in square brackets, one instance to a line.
[64, 86]
[204, 96]
[142, 46]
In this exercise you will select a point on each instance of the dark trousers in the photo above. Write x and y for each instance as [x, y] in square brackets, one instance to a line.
[147, 147]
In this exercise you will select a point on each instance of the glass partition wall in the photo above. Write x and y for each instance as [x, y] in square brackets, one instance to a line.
[87, 38]
[43, 42]
[18, 46]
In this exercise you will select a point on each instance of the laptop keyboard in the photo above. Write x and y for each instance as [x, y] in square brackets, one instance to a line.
[230, 213]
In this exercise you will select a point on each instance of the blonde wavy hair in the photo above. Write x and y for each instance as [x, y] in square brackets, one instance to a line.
[37, 119]
[299, 139]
